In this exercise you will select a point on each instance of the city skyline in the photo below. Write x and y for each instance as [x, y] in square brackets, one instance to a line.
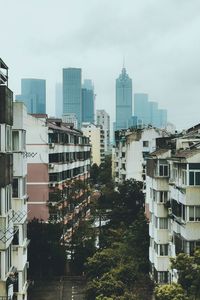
[160, 54]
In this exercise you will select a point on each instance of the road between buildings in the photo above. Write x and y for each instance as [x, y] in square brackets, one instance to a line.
[65, 288]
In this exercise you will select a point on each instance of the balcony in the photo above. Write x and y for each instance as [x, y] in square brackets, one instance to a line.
[6, 163]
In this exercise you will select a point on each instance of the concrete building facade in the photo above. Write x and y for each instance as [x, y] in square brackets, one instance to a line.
[103, 119]
[13, 196]
[173, 193]
[95, 134]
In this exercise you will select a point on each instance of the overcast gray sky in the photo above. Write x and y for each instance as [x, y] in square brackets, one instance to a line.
[160, 40]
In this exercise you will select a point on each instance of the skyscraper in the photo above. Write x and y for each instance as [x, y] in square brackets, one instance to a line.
[33, 94]
[87, 101]
[72, 98]
[142, 108]
[123, 100]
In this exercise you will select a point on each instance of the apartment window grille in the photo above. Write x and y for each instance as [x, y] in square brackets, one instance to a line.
[154, 195]
[161, 223]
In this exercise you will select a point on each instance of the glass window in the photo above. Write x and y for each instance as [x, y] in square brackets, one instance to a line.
[164, 249]
[15, 188]
[163, 223]
[191, 213]
[194, 178]
[163, 170]
[197, 213]
[145, 143]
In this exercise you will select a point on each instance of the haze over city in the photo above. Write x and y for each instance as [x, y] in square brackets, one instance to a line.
[158, 39]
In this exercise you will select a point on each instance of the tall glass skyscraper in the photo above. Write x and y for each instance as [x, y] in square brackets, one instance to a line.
[147, 112]
[72, 102]
[87, 101]
[123, 100]
[142, 108]
[33, 94]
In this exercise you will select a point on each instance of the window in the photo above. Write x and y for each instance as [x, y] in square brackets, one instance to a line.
[163, 170]
[194, 213]
[163, 277]
[15, 188]
[15, 138]
[162, 196]
[163, 249]
[145, 143]
[184, 177]
[194, 178]
[163, 223]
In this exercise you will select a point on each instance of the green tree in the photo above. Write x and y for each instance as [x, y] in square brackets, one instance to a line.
[170, 292]
[188, 268]
[94, 173]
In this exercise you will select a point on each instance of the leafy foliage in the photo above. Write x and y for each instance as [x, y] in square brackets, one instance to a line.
[188, 268]
[119, 269]
[170, 292]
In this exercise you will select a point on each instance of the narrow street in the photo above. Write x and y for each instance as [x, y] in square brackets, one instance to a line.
[65, 288]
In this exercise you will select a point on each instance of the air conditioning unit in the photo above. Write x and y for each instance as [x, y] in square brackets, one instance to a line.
[51, 145]
[51, 166]
[169, 211]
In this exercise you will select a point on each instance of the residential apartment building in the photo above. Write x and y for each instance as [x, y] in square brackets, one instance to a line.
[13, 200]
[103, 119]
[132, 147]
[96, 137]
[33, 94]
[57, 156]
[173, 196]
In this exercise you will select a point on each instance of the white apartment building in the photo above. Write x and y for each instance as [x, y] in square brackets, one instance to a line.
[173, 195]
[95, 133]
[132, 147]
[13, 207]
[103, 119]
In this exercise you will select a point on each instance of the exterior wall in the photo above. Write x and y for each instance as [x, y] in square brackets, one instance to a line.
[132, 151]
[103, 120]
[13, 197]
[96, 137]
[20, 241]
[37, 159]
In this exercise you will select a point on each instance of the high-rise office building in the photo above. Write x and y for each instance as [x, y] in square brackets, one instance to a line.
[88, 101]
[142, 108]
[33, 94]
[147, 112]
[72, 94]
[123, 100]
